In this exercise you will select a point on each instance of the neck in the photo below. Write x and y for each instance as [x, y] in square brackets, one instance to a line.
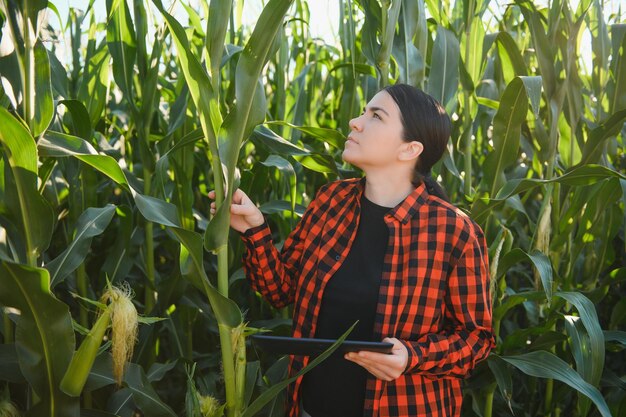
[387, 190]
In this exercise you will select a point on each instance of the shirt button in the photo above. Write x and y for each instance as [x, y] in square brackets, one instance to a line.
[337, 257]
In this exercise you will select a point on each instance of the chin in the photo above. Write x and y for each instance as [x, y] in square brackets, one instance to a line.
[346, 157]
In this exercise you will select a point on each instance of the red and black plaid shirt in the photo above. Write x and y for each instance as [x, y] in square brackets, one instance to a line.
[434, 292]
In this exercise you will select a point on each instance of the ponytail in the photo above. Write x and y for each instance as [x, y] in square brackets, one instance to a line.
[432, 186]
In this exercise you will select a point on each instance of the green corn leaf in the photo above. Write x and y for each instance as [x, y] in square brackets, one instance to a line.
[543, 47]
[589, 318]
[592, 149]
[192, 268]
[55, 144]
[358, 68]
[81, 125]
[513, 64]
[94, 86]
[615, 336]
[579, 176]
[542, 364]
[618, 68]
[161, 166]
[268, 138]
[92, 222]
[542, 263]
[135, 380]
[443, 80]
[280, 206]
[319, 163]
[144, 395]
[475, 62]
[29, 210]
[253, 369]
[503, 378]
[44, 336]
[435, 8]
[122, 45]
[157, 210]
[286, 169]
[579, 345]
[11, 85]
[600, 43]
[333, 137]
[539, 260]
[44, 106]
[219, 13]
[507, 128]
[411, 57]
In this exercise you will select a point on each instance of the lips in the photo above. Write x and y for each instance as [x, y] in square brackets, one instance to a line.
[351, 139]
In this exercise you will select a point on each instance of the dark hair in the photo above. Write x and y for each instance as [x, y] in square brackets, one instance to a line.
[426, 121]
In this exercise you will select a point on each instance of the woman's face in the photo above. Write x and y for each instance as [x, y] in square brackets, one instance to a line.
[375, 140]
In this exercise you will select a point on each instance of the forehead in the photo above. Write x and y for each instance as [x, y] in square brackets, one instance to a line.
[383, 100]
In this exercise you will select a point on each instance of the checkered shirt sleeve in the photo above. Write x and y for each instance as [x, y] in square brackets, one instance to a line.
[467, 339]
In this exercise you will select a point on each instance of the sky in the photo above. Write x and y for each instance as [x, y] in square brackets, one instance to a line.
[325, 14]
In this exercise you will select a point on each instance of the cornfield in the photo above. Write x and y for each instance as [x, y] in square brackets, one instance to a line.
[107, 159]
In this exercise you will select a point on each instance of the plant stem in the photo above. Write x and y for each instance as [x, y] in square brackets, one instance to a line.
[222, 270]
[226, 343]
[81, 286]
[149, 247]
[229, 370]
[489, 401]
[547, 406]
[240, 369]
[467, 149]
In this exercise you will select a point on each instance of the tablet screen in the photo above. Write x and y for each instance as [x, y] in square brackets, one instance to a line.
[311, 347]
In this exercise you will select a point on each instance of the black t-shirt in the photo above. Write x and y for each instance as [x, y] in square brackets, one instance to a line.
[336, 387]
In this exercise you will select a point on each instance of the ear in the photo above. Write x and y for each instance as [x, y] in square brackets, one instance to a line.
[411, 151]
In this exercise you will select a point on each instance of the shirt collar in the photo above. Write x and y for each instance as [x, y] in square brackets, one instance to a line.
[408, 208]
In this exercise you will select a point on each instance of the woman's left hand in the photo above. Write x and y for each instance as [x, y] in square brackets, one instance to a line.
[381, 365]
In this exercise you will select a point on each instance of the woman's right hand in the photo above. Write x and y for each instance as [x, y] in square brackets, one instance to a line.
[244, 214]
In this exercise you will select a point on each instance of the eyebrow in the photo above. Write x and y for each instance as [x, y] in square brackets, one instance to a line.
[373, 109]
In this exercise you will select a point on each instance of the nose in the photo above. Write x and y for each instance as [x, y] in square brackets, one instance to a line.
[355, 123]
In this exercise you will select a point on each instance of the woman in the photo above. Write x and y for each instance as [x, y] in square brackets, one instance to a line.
[387, 250]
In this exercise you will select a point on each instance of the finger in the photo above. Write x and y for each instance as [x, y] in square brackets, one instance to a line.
[380, 373]
[239, 197]
[391, 365]
[241, 209]
[212, 194]
[396, 343]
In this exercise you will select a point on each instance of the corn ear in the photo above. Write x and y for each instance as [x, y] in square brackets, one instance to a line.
[124, 325]
[210, 406]
[76, 375]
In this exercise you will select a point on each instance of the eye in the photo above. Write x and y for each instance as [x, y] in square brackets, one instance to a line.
[376, 116]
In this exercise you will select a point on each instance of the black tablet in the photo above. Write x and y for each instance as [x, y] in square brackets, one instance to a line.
[311, 347]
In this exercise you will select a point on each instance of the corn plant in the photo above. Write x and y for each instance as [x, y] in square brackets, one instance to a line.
[107, 159]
